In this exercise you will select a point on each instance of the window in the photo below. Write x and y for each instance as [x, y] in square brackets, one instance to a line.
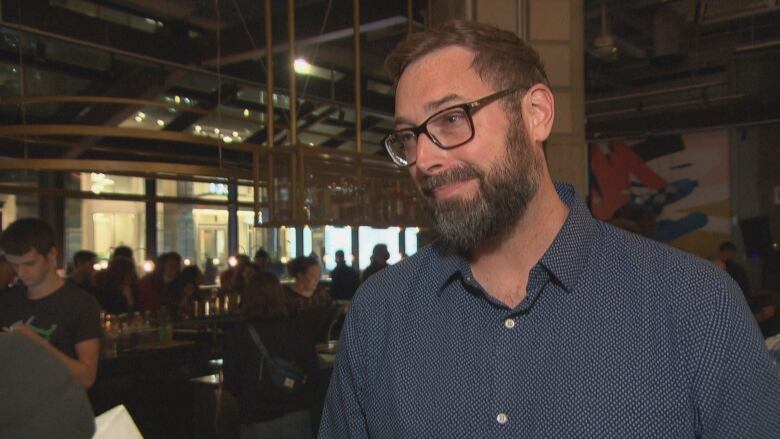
[102, 225]
[369, 237]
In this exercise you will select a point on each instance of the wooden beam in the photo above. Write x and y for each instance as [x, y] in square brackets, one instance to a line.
[104, 131]
[112, 166]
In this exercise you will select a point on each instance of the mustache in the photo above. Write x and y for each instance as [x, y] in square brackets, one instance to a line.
[455, 175]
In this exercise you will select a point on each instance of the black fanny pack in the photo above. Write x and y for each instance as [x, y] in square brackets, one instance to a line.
[284, 375]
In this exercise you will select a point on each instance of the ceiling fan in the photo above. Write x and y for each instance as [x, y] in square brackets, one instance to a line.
[608, 47]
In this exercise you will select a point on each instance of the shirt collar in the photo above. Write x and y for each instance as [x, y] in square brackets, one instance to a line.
[564, 259]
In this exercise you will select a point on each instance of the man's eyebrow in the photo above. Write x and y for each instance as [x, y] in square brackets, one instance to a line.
[429, 107]
[402, 121]
[435, 105]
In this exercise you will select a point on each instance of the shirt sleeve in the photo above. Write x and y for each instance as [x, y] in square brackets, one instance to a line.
[89, 320]
[736, 386]
[343, 416]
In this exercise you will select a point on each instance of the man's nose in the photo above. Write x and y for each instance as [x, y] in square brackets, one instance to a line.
[429, 156]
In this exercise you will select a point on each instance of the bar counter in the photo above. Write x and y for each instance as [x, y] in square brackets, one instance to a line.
[154, 379]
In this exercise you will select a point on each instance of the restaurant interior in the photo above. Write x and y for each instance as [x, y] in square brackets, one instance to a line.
[217, 128]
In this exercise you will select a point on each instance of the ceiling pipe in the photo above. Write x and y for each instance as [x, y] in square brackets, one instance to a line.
[642, 108]
[596, 137]
[757, 46]
[662, 91]
[324, 38]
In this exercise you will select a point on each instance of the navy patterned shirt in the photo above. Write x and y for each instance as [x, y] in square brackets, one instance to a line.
[619, 337]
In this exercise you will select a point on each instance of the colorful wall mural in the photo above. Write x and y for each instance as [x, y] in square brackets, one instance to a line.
[674, 189]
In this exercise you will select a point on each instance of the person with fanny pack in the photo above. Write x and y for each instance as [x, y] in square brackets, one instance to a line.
[273, 373]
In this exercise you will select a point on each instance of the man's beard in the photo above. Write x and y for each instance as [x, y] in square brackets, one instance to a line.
[503, 197]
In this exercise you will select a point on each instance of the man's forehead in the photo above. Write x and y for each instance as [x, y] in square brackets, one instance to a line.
[440, 65]
[30, 256]
[437, 80]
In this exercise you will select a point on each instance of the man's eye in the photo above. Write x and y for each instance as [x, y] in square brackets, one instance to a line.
[454, 117]
[406, 137]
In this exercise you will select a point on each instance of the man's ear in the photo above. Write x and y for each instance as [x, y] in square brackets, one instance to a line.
[539, 107]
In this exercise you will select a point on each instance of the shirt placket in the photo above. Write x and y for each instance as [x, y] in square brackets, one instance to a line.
[506, 327]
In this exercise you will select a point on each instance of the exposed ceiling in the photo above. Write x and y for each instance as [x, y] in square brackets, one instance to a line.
[195, 69]
[675, 65]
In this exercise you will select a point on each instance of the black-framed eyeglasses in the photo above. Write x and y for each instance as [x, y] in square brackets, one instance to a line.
[447, 129]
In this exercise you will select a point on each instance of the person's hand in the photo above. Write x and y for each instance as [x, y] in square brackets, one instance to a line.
[27, 331]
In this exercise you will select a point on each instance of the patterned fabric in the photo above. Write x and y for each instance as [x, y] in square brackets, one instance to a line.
[298, 304]
[619, 337]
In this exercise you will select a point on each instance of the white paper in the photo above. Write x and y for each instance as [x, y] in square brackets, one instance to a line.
[116, 424]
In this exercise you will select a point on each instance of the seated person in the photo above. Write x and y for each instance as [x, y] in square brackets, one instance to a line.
[153, 286]
[227, 277]
[83, 273]
[305, 293]
[58, 316]
[265, 411]
[183, 290]
[117, 287]
[262, 259]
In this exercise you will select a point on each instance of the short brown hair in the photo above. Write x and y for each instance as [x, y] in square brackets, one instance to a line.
[27, 234]
[501, 58]
[300, 264]
[263, 298]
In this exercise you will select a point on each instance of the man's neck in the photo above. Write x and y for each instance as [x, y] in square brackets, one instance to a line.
[502, 266]
[52, 283]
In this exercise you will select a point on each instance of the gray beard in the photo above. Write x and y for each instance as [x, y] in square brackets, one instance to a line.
[504, 194]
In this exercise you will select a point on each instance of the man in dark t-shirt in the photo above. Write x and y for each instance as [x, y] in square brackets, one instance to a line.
[64, 318]
[56, 314]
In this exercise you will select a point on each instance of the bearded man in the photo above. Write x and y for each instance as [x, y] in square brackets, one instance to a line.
[529, 318]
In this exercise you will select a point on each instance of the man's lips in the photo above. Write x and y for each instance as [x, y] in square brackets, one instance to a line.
[447, 189]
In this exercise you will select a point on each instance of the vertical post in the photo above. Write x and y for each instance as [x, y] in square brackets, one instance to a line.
[299, 241]
[358, 103]
[356, 248]
[401, 240]
[269, 111]
[358, 79]
[293, 96]
[150, 186]
[58, 216]
[232, 218]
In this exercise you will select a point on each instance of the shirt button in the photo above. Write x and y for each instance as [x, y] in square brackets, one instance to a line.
[502, 418]
[509, 323]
